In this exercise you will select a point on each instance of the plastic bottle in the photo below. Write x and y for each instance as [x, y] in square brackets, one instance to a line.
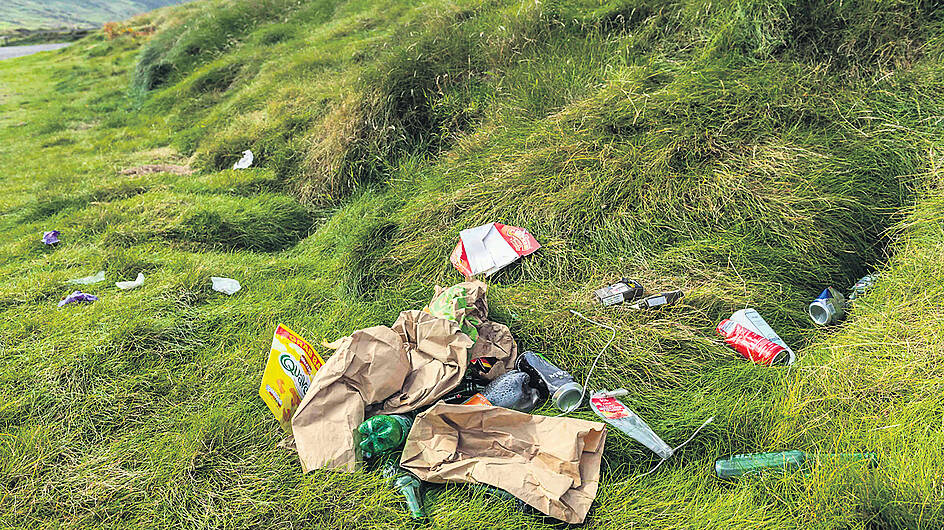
[383, 433]
[551, 380]
[785, 461]
[659, 300]
[511, 390]
[752, 345]
[409, 487]
[620, 416]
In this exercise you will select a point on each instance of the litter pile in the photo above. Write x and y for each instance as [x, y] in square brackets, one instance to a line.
[448, 388]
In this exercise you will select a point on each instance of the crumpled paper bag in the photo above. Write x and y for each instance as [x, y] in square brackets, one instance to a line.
[438, 357]
[495, 340]
[552, 464]
[414, 363]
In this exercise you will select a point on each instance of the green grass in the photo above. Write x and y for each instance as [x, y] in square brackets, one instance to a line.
[749, 153]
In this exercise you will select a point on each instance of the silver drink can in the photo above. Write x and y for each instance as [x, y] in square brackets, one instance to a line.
[828, 307]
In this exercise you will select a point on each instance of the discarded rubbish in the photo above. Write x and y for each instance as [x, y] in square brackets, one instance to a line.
[391, 369]
[659, 300]
[862, 286]
[132, 284]
[511, 390]
[466, 389]
[95, 278]
[614, 412]
[786, 461]
[77, 296]
[384, 432]
[477, 399]
[288, 372]
[830, 306]
[625, 290]
[552, 381]
[245, 161]
[751, 319]
[449, 304]
[489, 248]
[752, 345]
[494, 350]
[225, 285]
[552, 464]
[51, 237]
[408, 486]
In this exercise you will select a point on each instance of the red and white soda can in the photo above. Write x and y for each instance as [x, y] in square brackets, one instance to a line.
[751, 345]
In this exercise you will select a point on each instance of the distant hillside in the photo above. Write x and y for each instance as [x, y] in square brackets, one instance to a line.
[56, 13]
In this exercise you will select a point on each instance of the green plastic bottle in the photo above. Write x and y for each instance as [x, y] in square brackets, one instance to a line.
[383, 433]
[785, 461]
[409, 487]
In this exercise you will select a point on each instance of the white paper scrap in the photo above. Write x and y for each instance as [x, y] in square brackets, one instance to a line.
[132, 284]
[245, 161]
[95, 278]
[225, 285]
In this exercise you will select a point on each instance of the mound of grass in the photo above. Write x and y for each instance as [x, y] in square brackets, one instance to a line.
[749, 153]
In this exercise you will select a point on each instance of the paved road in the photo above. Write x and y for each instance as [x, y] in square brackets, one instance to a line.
[9, 52]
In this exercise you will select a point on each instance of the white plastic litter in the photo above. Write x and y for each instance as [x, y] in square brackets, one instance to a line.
[132, 284]
[225, 285]
[95, 278]
[245, 161]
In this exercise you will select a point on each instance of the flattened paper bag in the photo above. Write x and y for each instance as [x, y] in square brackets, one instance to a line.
[553, 464]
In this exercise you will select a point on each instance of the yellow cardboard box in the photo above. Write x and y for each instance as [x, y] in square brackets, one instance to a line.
[292, 364]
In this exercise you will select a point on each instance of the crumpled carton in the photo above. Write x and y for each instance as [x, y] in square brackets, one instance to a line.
[399, 368]
[552, 464]
[489, 248]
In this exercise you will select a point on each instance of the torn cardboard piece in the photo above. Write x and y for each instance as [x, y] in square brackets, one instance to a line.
[489, 248]
[552, 464]
[408, 366]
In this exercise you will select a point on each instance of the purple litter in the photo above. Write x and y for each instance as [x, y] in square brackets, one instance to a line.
[51, 237]
[78, 296]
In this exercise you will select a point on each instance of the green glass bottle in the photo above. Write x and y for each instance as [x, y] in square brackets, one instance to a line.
[785, 461]
[409, 487]
[383, 433]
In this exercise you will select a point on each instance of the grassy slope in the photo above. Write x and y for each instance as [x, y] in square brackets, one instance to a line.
[55, 13]
[730, 149]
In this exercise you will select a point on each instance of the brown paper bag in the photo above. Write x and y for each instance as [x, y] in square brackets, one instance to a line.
[413, 364]
[495, 340]
[438, 355]
[552, 464]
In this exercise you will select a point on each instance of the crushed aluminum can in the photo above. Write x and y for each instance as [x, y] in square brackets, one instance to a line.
[828, 307]
[624, 290]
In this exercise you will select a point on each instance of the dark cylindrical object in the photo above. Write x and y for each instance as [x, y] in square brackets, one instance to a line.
[557, 383]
